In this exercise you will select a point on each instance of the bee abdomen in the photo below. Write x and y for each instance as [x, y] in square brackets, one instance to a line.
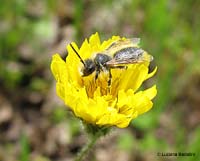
[128, 53]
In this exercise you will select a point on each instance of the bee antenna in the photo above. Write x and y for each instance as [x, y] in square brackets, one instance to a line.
[77, 54]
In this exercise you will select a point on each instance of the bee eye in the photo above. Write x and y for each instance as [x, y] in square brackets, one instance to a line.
[89, 67]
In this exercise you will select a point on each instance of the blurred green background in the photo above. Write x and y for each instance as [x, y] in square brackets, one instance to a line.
[36, 126]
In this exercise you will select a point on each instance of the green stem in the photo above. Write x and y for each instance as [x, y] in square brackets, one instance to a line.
[87, 147]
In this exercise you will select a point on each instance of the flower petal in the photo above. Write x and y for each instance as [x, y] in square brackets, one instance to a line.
[144, 103]
[95, 42]
[72, 63]
[133, 77]
[57, 67]
[114, 118]
[85, 50]
[151, 74]
[151, 92]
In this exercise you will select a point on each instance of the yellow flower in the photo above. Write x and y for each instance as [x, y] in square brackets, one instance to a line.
[90, 99]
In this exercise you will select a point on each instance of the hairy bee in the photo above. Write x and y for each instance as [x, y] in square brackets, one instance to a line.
[118, 55]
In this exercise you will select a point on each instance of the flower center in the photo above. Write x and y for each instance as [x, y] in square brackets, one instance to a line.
[101, 83]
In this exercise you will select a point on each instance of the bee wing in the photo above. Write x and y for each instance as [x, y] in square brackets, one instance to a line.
[126, 59]
[132, 41]
[114, 63]
[120, 44]
[129, 56]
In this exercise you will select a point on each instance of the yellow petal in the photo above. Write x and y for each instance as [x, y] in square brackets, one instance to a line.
[60, 90]
[151, 92]
[114, 118]
[95, 42]
[72, 64]
[151, 74]
[57, 67]
[85, 50]
[143, 101]
[124, 123]
[72, 59]
[133, 77]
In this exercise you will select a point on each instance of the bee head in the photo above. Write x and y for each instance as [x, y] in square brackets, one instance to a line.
[88, 68]
[88, 64]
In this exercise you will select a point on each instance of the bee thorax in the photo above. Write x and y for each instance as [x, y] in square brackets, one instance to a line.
[101, 59]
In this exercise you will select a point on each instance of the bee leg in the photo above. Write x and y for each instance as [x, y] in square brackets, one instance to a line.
[123, 67]
[107, 70]
[96, 77]
[119, 67]
[97, 74]
[109, 79]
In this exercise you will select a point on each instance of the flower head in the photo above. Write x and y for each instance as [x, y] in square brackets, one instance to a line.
[93, 100]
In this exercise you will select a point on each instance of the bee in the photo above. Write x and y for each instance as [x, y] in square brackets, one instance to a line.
[119, 54]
